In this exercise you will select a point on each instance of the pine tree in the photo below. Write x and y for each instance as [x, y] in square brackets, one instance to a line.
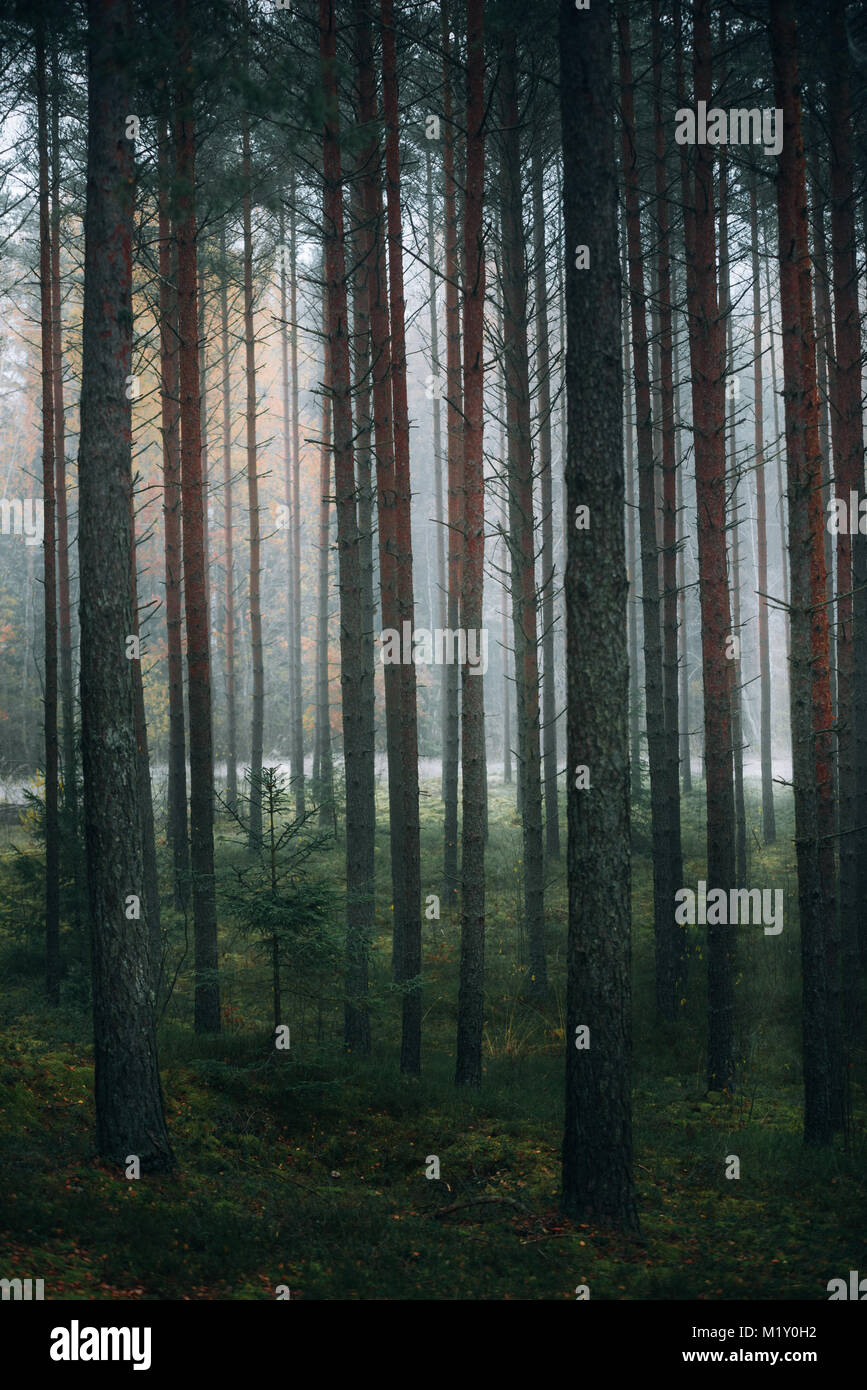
[129, 1108]
[810, 693]
[207, 1009]
[468, 1070]
[52, 826]
[597, 1144]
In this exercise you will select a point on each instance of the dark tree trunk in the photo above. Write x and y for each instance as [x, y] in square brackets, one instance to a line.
[228, 542]
[632, 568]
[408, 955]
[468, 1070]
[442, 592]
[257, 724]
[824, 364]
[150, 876]
[503, 566]
[207, 1005]
[669, 494]
[364, 464]
[323, 762]
[129, 1107]
[666, 933]
[507, 703]
[778, 443]
[708, 414]
[684, 705]
[522, 521]
[357, 748]
[810, 694]
[543, 409]
[597, 1145]
[848, 439]
[455, 441]
[170, 426]
[769, 825]
[294, 671]
[372, 250]
[859, 698]
[67, 698]
[297, 690]
[49, 550]
[732, 485]
[203, 415]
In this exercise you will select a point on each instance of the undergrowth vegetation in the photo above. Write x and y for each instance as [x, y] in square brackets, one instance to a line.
[306, 1167]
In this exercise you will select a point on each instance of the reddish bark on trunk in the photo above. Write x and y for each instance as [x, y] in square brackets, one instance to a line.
[848, 443]
[810, 690]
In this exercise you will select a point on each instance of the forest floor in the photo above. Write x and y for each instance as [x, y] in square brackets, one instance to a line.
[307, 1168]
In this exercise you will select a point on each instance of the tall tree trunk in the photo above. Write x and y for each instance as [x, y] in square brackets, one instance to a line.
[632, 568]
[442, 602]
[669, 492]
[454, 435]
[207, 1001]
[29, 648]
[507, 704]
[203, 413]
[543, 360]
[129, 1106]
[372, 250]
[364, 462]
[228, 541]
[294, 672]
[666, 933]
[357, 749]
[522, 523]
[778, 443]
[732, 484]
[468, 1070]
[503, 566]
[49, 550]
[597, 1144]
[408, 943]
[769, 824]
[67, 699]
[824, 363]
[848, 439]
[707, 356]
[170, 427]
[150, 877]
[323, 763]
[859, 707]
[257, 725]
[297, 691]
[684, 704]
[810, 693]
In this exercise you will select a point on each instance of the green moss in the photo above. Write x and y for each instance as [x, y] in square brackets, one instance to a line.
[308, 1168]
